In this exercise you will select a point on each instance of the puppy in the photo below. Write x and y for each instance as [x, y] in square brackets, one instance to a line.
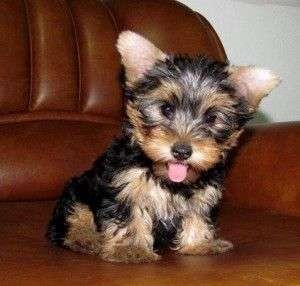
[158, 183]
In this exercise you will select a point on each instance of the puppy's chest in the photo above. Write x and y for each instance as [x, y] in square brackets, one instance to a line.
[142, 191]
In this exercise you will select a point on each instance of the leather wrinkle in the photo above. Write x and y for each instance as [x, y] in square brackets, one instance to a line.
[75, 33]
[113, 17]
[54, 61]
[30, 53]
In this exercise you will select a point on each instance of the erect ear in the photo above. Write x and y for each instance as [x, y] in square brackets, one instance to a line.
[138, 55]
[252, 83]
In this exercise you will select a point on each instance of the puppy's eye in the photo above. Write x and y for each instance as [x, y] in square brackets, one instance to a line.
[167, 110]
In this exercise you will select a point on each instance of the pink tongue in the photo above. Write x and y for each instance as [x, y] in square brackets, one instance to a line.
[177, 172]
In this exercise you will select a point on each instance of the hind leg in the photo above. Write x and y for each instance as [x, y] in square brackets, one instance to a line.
[82, 232]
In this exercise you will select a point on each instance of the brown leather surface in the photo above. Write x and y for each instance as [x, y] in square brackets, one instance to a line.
[99, 65]
[37, 158]
[172, 26]
[14, 57]
[266, 253]
[53, 56]
[58, 56]
[265, 170]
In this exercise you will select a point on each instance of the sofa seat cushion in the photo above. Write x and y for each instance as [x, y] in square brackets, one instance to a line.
[36, 158]
[266, 253]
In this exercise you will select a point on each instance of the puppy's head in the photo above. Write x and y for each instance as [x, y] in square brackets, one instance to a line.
[186, 113]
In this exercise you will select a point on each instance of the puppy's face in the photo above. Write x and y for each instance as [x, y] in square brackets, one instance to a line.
[186, 113]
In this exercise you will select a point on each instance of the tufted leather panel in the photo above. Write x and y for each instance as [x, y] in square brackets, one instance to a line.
[59, 56]
[53, 56]
[14, 58]
[60, 97]
[96, 35]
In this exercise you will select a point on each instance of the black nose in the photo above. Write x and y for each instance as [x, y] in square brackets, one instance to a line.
[181, 151]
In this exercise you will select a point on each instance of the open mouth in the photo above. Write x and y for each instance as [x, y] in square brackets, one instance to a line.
[177, 171]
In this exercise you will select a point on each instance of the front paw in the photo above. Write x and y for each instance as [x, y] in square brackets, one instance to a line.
[131, 254]
[214, 246]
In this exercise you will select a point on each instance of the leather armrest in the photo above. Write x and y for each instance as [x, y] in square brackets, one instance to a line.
[264, 171]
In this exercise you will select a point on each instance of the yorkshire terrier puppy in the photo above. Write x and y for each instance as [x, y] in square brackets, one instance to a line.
[158, 183]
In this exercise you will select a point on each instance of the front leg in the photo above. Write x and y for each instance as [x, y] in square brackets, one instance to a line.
[130, 242]
[197, 236]
[130, 239]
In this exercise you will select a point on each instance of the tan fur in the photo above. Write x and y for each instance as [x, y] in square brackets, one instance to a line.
[158, 142]
[216, 100]
[232, 141]
[135, 119]
[158, 203]
[133, 241]
[197, 235]
[194, 235]
[82, 234]
[202, 201]
[166, 91]
[144, 193]
[157, 146]
[130, 243]
[206, 152]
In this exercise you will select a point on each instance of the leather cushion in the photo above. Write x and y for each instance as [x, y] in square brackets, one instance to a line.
[265, 254]
[36, 158]
[265, 168]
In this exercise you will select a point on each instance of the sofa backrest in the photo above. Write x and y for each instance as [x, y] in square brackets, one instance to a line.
[59, 81]
[58, 58]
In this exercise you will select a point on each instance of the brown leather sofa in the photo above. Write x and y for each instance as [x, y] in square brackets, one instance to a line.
[60, 105]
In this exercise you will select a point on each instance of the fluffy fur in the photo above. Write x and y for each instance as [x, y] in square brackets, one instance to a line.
[126, 206]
